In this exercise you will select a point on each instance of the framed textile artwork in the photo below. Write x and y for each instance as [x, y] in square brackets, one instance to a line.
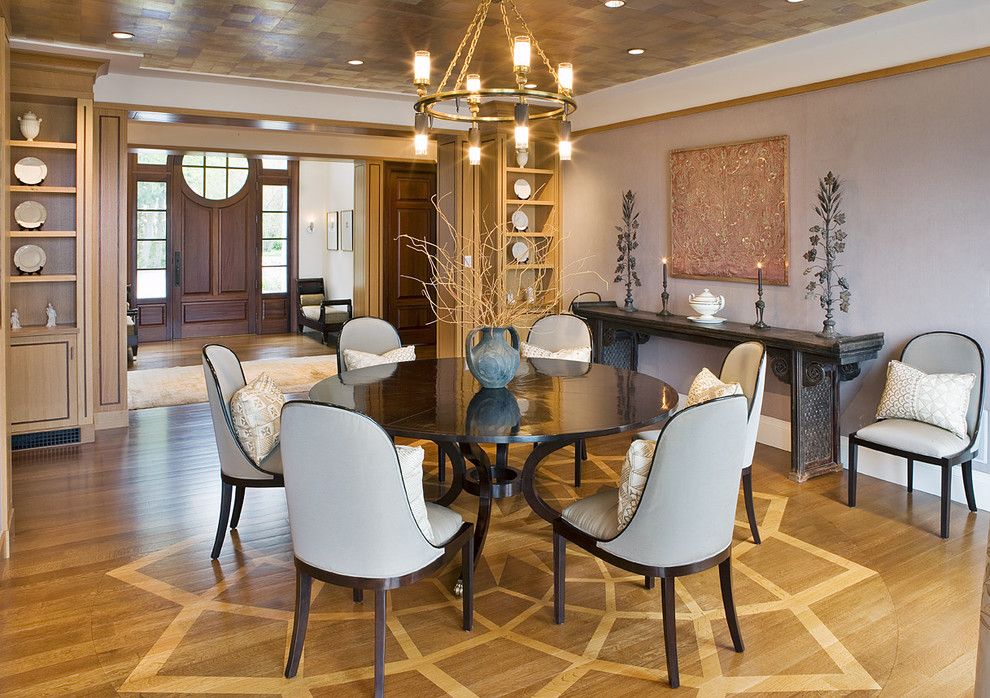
[728, 211]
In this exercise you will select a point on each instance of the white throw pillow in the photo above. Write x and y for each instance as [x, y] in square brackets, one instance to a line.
[707, 386]
[632, 482]
[531, 351]
[256, 412]
[411, 467]
[363, 359]
[939, 399]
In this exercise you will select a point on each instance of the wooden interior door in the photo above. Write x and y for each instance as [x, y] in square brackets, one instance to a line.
[214, 263]
[409, 189]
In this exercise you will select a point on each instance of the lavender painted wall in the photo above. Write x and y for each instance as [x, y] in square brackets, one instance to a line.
[914, 154]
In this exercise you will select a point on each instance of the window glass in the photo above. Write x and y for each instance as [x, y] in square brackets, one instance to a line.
[274, 163]
[215, 176]
[275, 234]
[152, 157]
[151, 247]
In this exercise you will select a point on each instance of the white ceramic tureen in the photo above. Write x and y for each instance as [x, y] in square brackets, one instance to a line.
[30, 125]
[706, 305]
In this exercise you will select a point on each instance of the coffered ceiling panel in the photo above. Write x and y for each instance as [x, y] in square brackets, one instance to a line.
[312, 40]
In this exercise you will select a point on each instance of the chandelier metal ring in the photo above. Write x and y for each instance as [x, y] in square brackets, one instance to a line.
[429, 104]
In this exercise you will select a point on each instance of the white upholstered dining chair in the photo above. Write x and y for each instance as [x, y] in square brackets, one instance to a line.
[224, 377]
[369, 334]
[933, 352]
[684, 520]
[351, 521]
[560, 332]
[746, 365]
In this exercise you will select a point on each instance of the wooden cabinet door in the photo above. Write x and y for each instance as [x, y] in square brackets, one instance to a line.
[42, 383]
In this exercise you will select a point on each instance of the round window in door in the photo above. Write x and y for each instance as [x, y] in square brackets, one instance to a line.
[215, 176]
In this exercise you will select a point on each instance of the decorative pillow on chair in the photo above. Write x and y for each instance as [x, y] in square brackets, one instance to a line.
[411, 467]
[531, 351]
[362, 359]
[311, 299]
[256, 412]
[632, 482]
[939, 399]
[707, 386]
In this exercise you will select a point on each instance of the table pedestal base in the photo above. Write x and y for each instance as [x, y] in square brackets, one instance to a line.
[505, 480]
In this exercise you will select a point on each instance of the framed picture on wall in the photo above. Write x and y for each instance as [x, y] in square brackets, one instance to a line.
[333, 233]
[347, 230]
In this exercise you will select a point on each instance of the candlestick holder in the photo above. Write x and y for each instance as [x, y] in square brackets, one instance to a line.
[664, 298]
[760, 307]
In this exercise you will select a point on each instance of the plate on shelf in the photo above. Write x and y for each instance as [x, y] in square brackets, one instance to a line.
[29, 258]
[30, 215]
[520, 221]
[706, 320]
[520, 252]
[30, 171]
[522, 188]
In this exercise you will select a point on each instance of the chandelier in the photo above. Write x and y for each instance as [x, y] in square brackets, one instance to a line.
[461, 98]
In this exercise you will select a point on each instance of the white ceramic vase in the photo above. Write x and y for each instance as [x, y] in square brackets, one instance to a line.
[30, 125]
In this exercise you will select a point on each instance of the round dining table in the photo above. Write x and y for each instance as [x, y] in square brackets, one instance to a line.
[549, 403]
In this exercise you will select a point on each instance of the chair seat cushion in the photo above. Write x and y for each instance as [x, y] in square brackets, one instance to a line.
[651, 435]
[444, 523]
[273, 461]
[363, 359]
[256, 413]
[331, 317]
[597, 515]
[939, 399]
[531, 351]
[916, 437]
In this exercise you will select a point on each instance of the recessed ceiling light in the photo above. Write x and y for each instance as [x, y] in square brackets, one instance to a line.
[795, 1]
[636, 51]
[530, 85]
[355, 61]
[612, 4]
[122, 35]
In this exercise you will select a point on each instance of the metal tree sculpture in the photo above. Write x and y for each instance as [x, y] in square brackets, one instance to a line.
[625, 269]
[830, 239]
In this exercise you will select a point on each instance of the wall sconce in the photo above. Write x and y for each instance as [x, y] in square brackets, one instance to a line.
[312, 225]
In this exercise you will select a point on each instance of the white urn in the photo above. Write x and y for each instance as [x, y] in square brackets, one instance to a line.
[30, 125]
[705, 304]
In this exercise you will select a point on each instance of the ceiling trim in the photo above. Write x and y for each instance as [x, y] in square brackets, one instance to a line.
[913, 67]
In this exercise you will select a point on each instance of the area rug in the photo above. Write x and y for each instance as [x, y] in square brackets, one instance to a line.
[185, 385]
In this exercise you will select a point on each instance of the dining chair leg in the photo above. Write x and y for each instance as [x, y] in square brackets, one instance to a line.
[578, 451]
[650, 582]
[226, 492]
[441, 465]
[747, 483]
[380, 597]
[946, 499]
[851, 501]
[725, 581]
[238, 505]
[467, 578]
[669, 631]
[358, 595]
[559, 570]
[967, 473]
[910, 474]
[304, 587]
[584, 449]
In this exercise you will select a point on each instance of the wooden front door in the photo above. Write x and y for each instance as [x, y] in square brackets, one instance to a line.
[409, 189]
[214, 263]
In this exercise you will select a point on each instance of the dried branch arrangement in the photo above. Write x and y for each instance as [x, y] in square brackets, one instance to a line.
[479, 296]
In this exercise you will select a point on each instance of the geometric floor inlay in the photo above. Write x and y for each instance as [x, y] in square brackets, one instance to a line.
[230, 632]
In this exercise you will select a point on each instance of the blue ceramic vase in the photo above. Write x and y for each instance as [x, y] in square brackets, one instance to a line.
[492, 361]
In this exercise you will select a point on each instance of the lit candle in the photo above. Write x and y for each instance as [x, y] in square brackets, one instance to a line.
[664, 271]
[759, 277]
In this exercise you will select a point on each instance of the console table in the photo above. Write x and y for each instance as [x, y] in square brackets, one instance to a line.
[819, 364]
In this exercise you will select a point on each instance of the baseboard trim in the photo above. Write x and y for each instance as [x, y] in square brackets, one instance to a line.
[927, 478]
[111, 420]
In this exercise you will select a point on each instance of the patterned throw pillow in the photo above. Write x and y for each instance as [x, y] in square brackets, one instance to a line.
[256, 411]
[363, 359]
[632, 482]
[531, 351]
[706, 386]
[311, 299]
[411, 466]
[939, 399]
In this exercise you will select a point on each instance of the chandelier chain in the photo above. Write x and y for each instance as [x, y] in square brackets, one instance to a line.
[474, 43]
[453, 62]
[508, 29]
[532, 38]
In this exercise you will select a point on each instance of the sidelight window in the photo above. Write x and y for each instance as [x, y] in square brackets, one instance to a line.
[152, 213]
[274, 238]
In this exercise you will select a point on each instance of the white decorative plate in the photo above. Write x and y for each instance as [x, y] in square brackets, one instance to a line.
[711, 320]
[520, 221]
[522, 189]
[520, 252]
[30, 214]
[29, 258]
[30, 171]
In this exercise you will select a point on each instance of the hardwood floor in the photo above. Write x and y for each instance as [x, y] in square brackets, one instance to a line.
[111, 591]
[187, 352]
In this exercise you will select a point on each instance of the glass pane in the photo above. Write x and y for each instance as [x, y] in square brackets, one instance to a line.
[274, 197]
[274, 225]
[151, 195]
[274, 280]
[274, 163]
[216, 183]
[273, 253]
[216, 160]
[238, 161]
[235, 180]
[194, 178]
[151, 225]
[151, 254]
[152, 157]
[193, 159]
[151, 284]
